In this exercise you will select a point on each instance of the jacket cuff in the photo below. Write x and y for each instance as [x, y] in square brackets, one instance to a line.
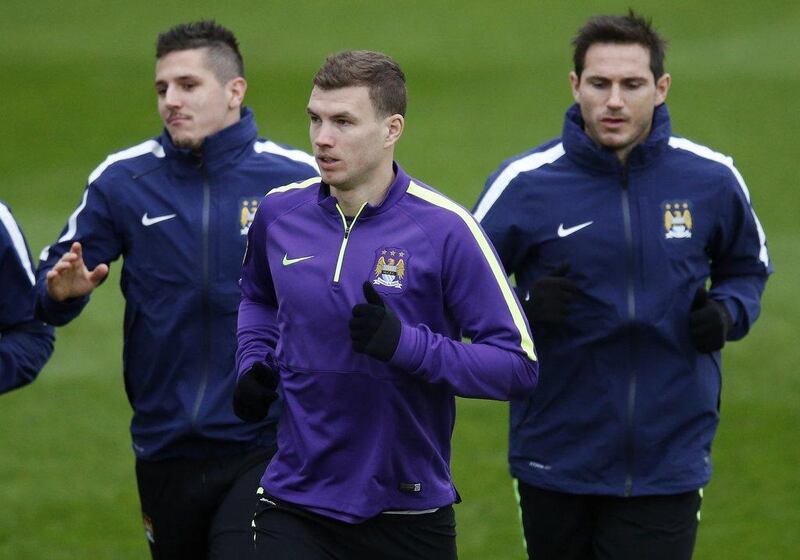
[248, 361]
[730, 306]
[410, 349]
[58, 312]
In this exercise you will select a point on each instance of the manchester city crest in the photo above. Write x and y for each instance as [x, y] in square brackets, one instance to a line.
[247, 211]
[678, 221]
[391, 268]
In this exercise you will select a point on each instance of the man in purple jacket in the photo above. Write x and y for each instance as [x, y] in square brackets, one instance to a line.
[357, 290]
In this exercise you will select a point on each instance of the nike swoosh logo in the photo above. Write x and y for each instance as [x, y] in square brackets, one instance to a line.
[287, 261]
[147, 221]
[562, 232]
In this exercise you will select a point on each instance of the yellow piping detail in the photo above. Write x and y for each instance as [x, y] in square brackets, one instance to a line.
[497, 270]
[299, 185]
[344, 240]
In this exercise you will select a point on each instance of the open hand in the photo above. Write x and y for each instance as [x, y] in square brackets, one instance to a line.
[70, 278]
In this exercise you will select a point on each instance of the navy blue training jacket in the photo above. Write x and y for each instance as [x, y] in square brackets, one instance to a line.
[625, 404]
[25, 343]
[180, 222]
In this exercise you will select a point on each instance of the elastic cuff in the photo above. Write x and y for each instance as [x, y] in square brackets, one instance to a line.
[246, 363]
[410, 349]
[58, 312]
[728, 313]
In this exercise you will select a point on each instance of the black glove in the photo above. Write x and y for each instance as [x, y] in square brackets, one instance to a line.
[550, 298]
[255, 391]
[709, 322]
[374, 328]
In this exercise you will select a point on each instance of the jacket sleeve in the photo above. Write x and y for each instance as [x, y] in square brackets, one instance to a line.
[25, 343]
[257, 330]
[500, 362]
[92, 224]
[498, 211]
[740, 263]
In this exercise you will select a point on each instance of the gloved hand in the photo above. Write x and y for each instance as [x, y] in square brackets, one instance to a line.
[374, 328]
[709, 322]
[549, 299]
[255, 391]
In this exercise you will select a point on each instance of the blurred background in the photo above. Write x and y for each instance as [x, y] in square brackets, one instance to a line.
[487, 80]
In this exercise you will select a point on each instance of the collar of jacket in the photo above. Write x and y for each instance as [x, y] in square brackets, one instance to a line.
[219, 149]
[396, 191]
[582, 150]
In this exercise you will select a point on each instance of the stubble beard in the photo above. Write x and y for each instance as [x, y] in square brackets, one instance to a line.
[187, 143]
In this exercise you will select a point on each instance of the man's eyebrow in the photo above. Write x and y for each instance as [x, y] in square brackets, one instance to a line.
[635, 77]
[180, 78]
[342, 114]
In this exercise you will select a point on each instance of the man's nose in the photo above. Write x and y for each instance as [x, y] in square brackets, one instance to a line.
[323, 136]
[173, 97]
[615, 100]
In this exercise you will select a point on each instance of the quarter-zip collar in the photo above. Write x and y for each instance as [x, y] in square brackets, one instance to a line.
[396, 191]
[220, 149]
[583, 151]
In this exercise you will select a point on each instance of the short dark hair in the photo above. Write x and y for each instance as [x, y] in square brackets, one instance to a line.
[223, 56]
[624, 30]
[379, 72]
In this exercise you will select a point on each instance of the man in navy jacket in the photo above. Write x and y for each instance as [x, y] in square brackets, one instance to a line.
[178, 208]
[25, 343]
[612, 232]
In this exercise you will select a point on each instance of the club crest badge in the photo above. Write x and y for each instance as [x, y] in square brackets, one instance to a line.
[391, 268]
[678, 222]
[247, 211]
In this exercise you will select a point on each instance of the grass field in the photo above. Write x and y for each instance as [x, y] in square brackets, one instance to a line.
[486, 80]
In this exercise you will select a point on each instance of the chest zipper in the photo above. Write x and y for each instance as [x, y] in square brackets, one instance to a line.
[631, 304]
[205, 306]
[347, 229]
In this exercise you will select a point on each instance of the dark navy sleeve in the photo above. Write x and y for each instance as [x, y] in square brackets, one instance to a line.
[502, 218]
[740, 262]
[25, 343]
[257, 330]
[92, 225]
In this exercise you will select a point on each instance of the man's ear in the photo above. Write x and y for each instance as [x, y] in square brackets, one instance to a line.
[662, 88]
[574, 82]
[236, 89]
[394, 129]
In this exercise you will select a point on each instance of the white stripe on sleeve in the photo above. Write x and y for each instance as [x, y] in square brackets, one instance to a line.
[19, 242]
[72, 223]
[148, 147]
[296, 155]
[708, 153]
[527, 163]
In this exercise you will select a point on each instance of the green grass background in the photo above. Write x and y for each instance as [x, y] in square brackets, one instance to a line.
[486, 80]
